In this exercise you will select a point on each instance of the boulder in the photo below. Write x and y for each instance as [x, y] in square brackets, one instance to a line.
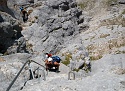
[121, 1]
[10, 31]
[4, 7]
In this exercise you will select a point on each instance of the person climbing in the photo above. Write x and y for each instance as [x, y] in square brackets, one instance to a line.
[52, 61]
[24, 14]
[48, 60]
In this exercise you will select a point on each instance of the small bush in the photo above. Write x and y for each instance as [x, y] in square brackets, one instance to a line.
[123, 11]
[66, 62]
[104, 35]
[82, 5]
[68, 56]
[90, 47]
[87, 4]
[76, 70]
[119, 52]
[96, 57]
[29, 46]
[30, 11]
[116, 43]
[111, 2]
[36, 17]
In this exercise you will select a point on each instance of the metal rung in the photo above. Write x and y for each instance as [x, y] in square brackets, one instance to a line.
[43, 72]
[69, 75]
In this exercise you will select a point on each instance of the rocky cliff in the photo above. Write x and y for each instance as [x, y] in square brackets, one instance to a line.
[69, 29]
[57, 24]
[10, 29]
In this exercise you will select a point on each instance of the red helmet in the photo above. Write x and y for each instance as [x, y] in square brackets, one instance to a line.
[48, 55]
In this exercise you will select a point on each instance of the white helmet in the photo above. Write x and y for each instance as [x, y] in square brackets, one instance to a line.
[46, 56]
[50, 59]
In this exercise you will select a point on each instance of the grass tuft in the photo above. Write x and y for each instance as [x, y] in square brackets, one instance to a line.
[68, 56]
[96, 57]
[82, 5]
[104, 35]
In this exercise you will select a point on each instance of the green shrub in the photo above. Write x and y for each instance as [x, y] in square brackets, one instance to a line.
[120, 52]
[87, 4]
[68, 56]
[29, 46]
[66, 62]
[110, 2]
[123, 12]
[36, 17]
[115, 43]
[82, 5]
[76, 70]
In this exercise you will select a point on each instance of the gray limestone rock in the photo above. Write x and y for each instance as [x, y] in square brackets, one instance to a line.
[61, 28]
[10, 68]
[121, 1]
[58, 18]
[10, 31]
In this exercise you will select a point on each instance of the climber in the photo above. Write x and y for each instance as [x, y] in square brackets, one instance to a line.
[24, 14]
[48, 61]
[52, 61]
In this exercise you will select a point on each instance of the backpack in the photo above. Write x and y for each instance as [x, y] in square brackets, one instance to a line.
[56, 58]
[21, 8]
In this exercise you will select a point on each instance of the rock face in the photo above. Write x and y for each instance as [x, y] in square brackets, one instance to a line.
[4, 7]
[9, 69]
[59, 21]
[121, 1]
[10, 30]
[62, 28]
[3, 4]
